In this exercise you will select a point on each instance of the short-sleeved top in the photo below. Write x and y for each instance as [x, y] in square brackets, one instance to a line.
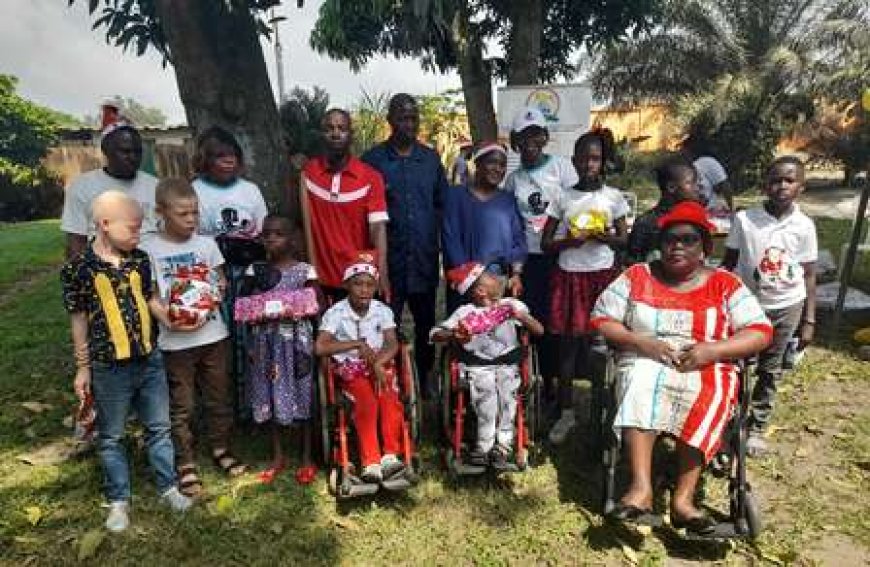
[592, 256]
[710, 174]
[493, 344]
[341, 206]
[238, 207]
[344, 324]
[771, 251]
[487, 231]
[115, 300]
[79, 196]
[534, 188]
[167, 258]
[415, 187]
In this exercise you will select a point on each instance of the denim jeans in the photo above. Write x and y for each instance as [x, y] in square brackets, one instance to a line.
[116, 388]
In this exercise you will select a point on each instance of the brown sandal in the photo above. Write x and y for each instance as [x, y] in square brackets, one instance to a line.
[189, 482]
[230, 465]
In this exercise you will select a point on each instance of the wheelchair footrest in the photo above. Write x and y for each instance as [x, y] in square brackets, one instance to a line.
[724, 531]
[464, 469]
[397, 484]
[357, 487]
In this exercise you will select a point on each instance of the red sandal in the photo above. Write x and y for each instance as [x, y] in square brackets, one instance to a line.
[268, 475]
[306, 475]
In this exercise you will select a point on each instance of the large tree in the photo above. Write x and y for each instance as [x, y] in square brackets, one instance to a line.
[739, 73]
[214, 49]
[538, 38]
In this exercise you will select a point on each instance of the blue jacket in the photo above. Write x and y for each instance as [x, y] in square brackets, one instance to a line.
[415, 191]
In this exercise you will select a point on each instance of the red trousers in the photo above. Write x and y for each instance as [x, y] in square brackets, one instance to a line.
[369, 403]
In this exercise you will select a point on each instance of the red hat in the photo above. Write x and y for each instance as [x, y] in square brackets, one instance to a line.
[111, 118]
[688, 212]
[362, 262]
[463, 277]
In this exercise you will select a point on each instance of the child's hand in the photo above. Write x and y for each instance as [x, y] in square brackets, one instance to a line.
[82, 383]
[515, 285]
[380, 375]
[187, 327]
[366, 353]
[461, 334]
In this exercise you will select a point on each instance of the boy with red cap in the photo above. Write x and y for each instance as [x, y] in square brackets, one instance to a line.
[490, 356]
[359, 333]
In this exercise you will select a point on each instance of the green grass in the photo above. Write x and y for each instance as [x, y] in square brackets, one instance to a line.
[813, 489]
[28, 248]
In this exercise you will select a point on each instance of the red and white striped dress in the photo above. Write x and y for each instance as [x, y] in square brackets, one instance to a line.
[692, 406]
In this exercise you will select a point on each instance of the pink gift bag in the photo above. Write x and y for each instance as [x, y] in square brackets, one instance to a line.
[486, 321]
[276, 305]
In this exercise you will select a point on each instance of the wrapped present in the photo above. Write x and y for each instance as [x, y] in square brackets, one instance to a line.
[276, 305]
[193, 294]
[594, 222]
[485, 321]
[85, 420]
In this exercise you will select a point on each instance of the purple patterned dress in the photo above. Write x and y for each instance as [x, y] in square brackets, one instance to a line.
[282, 366]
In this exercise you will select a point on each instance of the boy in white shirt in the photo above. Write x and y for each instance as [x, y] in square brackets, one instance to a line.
[194, 360]
[488, 359]
[774, 250]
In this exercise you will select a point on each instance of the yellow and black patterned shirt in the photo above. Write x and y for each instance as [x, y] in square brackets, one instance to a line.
[115, 300]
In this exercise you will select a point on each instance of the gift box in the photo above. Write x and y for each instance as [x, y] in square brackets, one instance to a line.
[485, 321]
[193, 294]
[276, 305]
[594, 222]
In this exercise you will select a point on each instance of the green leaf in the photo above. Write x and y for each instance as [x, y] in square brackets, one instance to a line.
[33, 514]
[90, 542]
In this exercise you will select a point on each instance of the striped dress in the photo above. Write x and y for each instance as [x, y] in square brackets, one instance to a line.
[692, 406]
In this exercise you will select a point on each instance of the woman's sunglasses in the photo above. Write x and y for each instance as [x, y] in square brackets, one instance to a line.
[686, 239]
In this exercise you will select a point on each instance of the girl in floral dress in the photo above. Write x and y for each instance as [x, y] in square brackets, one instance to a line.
[282, 363]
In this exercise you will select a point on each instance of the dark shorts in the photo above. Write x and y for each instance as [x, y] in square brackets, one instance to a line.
[573, 297]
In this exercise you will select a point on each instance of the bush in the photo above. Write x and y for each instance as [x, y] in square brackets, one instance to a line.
[39, 198]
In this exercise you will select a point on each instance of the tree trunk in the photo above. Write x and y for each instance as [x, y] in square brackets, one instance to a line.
[524, 50]
[476, 79]
[222, 80]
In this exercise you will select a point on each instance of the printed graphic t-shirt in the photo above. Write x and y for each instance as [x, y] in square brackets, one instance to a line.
[238, 207]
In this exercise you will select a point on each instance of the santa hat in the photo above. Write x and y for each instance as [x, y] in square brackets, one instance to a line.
[486, 148]
[111, 118]
[362, 262]
[687, 212]
[463, 277]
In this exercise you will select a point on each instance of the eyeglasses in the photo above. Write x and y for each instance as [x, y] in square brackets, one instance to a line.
[687, 239]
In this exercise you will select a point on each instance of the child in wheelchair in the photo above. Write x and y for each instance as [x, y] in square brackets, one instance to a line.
[359, 334]
[484, 332]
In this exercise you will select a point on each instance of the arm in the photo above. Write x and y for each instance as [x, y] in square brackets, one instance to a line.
[378, 236]
[729, 262]
[82, 380]
[743, 343]
[389, 349]
[619, 239]
[808, 322]
[519, 251]
[724, 189]
[533, 325]
[327, 345]
[160, 311]
[451, 233]
[622, 338]
[551, 245]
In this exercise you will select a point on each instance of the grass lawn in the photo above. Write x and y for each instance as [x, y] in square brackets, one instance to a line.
[812, 489]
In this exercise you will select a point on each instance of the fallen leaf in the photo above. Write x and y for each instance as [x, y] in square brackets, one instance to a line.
[629, 553]
[89, 543]
[36, 407]
[814, 429]
[33, 514]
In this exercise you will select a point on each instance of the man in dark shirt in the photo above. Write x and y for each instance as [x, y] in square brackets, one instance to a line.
[416, 183]
[677, 181]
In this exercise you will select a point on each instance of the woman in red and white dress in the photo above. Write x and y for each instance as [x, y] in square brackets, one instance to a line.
[678, 325]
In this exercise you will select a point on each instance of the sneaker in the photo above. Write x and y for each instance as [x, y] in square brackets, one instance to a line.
[756, 446]
[176, 500]
[119, 517]
[391, 466]
[562, 427]
[372, 473]
[498, 458]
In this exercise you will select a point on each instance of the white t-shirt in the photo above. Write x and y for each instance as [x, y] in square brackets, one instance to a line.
[496, 342]
[771, 253]
[166, 258]
[534, 189]
[592, 255]
[238, 207]
[80, 194]
[710, 174]
[343, 323]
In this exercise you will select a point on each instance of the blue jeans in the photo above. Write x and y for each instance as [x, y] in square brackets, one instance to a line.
[116, 388]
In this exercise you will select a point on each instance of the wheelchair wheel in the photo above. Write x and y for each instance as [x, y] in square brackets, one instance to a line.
[332, 481]
[325, 417]
[446, 400]
[413, 395]
[753, 514]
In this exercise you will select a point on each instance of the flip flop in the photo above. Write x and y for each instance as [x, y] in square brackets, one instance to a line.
[268, 475]
[306, 475]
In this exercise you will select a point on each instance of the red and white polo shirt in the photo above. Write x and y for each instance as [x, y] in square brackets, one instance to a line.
[341, 206]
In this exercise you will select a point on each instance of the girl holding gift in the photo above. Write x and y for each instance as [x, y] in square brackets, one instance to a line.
[282, 359]
[593, 216]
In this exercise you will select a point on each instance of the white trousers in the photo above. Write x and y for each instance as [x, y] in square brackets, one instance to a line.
[493, 391]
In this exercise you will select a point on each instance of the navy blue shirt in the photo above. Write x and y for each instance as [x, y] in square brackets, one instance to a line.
[415, 191]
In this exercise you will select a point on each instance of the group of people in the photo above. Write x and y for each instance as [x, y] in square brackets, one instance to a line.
[546, 244]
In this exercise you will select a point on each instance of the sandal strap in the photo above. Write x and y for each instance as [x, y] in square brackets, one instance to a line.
[227, 462]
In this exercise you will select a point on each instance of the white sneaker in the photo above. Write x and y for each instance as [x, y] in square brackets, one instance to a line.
[176, 500]
[562, 427]
[119, 518]
[372, 473]
[391, 466]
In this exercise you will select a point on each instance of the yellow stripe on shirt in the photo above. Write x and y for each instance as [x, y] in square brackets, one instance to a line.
[142, 308]
[114, 319]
